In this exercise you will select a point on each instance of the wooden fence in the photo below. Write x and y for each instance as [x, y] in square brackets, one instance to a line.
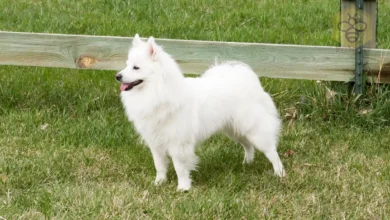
[270, 60]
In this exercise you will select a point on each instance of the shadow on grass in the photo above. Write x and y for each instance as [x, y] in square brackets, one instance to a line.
[221, 165]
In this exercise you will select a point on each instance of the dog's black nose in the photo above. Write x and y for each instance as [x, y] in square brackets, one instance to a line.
[118, 77]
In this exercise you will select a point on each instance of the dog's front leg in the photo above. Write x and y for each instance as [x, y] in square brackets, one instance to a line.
[160, 159]
[184, 160]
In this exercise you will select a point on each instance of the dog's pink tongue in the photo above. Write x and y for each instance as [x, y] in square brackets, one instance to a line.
[124, 86]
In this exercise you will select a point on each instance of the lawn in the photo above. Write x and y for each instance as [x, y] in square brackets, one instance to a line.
[68, 152]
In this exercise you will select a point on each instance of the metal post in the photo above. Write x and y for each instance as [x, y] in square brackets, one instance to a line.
[359, 50]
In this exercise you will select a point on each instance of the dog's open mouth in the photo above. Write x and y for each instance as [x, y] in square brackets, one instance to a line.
[129, 86]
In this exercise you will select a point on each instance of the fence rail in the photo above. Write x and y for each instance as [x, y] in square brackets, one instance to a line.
[269, 60]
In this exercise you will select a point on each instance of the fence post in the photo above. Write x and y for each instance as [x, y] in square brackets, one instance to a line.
[358, 28]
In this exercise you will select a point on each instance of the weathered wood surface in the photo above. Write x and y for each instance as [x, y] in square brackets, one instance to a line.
[110, 53]
[369, 15]
[377, 65]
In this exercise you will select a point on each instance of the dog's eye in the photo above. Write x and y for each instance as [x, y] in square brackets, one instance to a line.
[135, 67]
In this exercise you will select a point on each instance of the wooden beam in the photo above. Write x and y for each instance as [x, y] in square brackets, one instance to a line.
[110, 53]
[377, 65]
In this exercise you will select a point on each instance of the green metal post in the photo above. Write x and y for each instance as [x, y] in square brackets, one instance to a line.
[359, 51]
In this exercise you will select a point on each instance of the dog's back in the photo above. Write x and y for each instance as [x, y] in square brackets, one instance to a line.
[230, 94]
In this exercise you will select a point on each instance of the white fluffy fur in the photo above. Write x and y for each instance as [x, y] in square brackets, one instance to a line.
[173, 114]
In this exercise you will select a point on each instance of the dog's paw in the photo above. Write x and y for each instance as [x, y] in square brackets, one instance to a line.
[160, 180]
[280, 173]
[183, 189]
[247, 160]
[184, 186]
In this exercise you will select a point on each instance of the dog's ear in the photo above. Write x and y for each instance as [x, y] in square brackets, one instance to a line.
[153, 48]
[137, 40]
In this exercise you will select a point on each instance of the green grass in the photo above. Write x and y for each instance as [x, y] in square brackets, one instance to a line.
[68, 152]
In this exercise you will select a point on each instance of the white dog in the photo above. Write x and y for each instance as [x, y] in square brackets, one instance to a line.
[174, 114]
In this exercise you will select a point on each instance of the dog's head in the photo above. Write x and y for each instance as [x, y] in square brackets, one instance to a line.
[141, 65]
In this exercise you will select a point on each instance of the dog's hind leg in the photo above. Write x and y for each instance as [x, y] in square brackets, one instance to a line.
[184, 160]
[266, 143]
[276, 163]
[244, 142]
[248, 148]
